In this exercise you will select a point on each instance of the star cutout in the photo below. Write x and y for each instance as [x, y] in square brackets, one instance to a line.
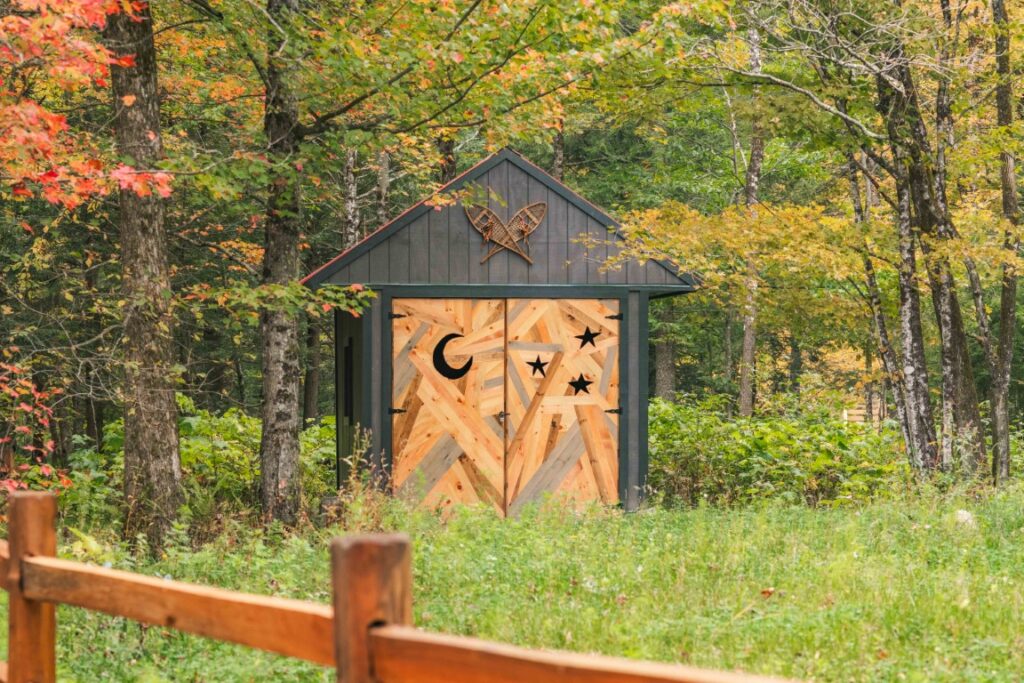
[538, 366]
[587, 337]
[580, 384]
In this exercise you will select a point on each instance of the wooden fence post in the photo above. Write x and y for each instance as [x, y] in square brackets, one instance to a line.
[372, 583]
[32, 635]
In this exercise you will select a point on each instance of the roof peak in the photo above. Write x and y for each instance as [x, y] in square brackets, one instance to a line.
[480, 170]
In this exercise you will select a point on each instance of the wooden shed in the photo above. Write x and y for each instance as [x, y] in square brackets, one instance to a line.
[501, 361]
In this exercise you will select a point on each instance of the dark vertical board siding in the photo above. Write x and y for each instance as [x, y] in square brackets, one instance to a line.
[539, 250]
[341, 440]
[355, 328]
[478, 272]
[577, 251]
[558, 239]
[375, 321]
[379, 263]
[636, 274]
[616, 276]
[419, 254]
[633, 399]
[645, 393]
[442, 247]
[518, 198]
[437, 238]
[361, 269]
[598, 252]
[656, 275]
[348, 331]
[399, 256]
[497, 184]
[459, 239]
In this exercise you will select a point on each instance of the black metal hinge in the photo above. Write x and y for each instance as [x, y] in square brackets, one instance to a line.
[614, 411]
[393, 316]
[617, 316]
[396, 411]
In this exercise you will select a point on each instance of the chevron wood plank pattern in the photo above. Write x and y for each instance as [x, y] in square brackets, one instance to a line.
[561, 439]
[445, 448]
[502, 402]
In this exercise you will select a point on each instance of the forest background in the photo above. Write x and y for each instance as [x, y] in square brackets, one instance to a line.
[841, 174]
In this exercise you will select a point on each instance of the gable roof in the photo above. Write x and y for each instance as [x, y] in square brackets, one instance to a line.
[353, 265]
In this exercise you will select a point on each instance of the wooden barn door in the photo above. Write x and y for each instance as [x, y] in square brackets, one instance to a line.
[503, 401]
[448, 441]
[562, 396]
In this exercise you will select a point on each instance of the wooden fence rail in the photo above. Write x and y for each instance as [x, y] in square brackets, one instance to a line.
[366, 634]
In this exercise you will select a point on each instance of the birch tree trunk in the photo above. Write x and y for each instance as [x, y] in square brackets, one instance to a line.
[921, 447]
[152, 482]
[926, 177]
[350, 209]
[890, 362]
[279, 329]
[752, 181]
[1002, 358]
[383, 186]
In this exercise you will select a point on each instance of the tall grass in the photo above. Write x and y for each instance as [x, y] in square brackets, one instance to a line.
[926, 589]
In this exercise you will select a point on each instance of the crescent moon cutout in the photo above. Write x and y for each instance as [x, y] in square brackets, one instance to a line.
[441, 365]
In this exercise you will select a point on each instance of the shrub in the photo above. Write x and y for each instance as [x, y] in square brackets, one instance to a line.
[220, 471]
[26, 446]
[698, 455]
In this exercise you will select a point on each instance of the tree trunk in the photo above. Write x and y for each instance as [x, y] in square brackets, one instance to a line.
[311, 384]
[796, 363]
[665, 368]
[895, 378]
[921, 447]
[351, 229]
[926, 178]
[908, 144]
[93, 408]
[236, 361]
[752, 181]
[869, 385]
[279, 329]
[727, 353]
[152, 481]
[383, 187]
[748, 351]
[558, 159]
[448, 169]
[1002, 359]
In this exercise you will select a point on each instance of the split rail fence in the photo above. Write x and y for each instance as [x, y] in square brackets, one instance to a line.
[366, 635]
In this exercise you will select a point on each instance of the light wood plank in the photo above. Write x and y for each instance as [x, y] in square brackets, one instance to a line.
[406, 655]
[372, 580]
[601, 452]
[32, 623]
[289, 627]
[449, 419]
